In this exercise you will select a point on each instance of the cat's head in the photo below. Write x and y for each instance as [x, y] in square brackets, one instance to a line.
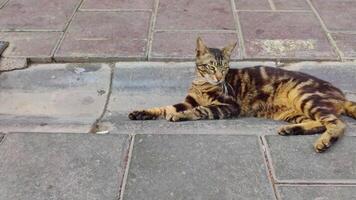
[212, 64]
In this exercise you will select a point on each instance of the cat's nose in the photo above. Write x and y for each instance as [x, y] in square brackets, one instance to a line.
[218, 76]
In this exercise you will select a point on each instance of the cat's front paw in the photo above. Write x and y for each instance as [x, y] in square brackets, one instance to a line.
[141, 115]
[176, 117]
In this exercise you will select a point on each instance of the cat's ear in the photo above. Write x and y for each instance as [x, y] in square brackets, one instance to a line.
[201, 48]
[227, 51]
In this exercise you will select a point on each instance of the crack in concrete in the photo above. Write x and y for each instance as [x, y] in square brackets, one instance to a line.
[96, 127]
[126, 168]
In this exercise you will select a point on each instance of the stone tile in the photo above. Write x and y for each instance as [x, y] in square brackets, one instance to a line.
[294, 160]
[61, 166]
[3, 46]
[337, 14]
[123, 35]
[342, 75]
[53, 97]
[291, 5]
[197, 167]
[252, 5]
[195, 15]
[117, 4]
[7, 64]
[37, 46]
[284, 35]
[165, 43]
[317, 192]
[37, 14]
[346, 43]
[146, 85]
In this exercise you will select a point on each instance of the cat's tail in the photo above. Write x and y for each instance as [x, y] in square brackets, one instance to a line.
[350, 109]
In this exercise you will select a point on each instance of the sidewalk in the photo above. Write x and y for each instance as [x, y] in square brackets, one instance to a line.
[117, 30]
[74, 69]
[48, 152]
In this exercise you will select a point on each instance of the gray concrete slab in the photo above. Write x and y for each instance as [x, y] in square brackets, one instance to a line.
[197, 167]
[317, 192]
[53, 97]
[61, 166]
[145, 85]
[8, 64]
[294, 160]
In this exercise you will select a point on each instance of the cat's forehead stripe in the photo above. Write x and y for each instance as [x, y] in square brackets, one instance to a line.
[217, 54]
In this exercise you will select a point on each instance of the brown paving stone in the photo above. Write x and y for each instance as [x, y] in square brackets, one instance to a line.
[252, 5]
[296, 35]
[291, 5]
[337, 14]
[346, 43]
[37, 14]
[197, 15]
[117, 4]
[34, 45]
[182, 44]
[105, 35]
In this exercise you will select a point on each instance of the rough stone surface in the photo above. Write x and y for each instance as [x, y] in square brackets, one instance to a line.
[53, 97]
[3, 46]
[337, 14]
[167, 167]
[317, 192]
[291, 5]
[252, 5]
[123, 35]
[8, 64]
[61, 166]
[117, 4]
[36, 14]
[37, 46]
[165, 43]
[195, 15]
[346, 43]
[294, 160]
[158, 84]
[296, 35]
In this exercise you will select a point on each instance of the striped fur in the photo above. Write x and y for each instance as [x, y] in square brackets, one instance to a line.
[310, 104]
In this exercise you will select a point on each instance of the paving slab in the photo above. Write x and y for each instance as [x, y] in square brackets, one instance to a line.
[317, 192]
[8, 64]
[122, 36]
[144, 85]
[53, 97]
[62, 166]
[37, 14]
[337, 14]
[117, 4]
[252, 5]
[291, 5]
[3, 46]
[38, 46]
[346, 43]
[165, 46]
[197, 167]
[295, 161]
[195, 15]
[284, 35]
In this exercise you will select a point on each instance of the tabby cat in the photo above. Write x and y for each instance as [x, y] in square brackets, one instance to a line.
[217, 92]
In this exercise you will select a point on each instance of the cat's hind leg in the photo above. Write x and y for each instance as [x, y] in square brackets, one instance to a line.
[308, 127]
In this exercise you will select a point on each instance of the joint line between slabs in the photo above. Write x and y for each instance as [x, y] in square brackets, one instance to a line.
[59, 43]
[127, 167]
[268, 164]
[151, 29]
[271, 3]
[240, 37]
[331, 40]
[95, 127]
